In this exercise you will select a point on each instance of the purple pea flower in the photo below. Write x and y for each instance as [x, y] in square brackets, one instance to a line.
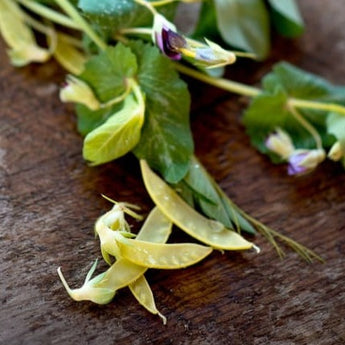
[175, 45]
[166, 37]
[304, 161]
[301, 161]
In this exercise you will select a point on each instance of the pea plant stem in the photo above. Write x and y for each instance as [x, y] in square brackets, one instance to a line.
[48, 13]
[81, 22]
[138, 31]
[148, 5]
[250, 91]
[222, 83]
[307, 125]
[332, 107]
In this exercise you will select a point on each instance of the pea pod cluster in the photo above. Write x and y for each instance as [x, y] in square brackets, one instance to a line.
[130, 255]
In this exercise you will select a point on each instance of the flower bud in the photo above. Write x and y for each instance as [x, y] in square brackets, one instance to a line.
[303, 161]
[109, 224]
[280, 143]
[25, 54]
[336, 152]
[165, 36]
[212, 55]
[175, 45]
[89, 291]
[78, 91]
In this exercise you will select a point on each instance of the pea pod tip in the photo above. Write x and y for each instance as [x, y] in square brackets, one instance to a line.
[257, 249]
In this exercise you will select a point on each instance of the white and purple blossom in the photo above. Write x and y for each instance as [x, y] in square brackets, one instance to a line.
[303, 161]
[336, 152]
[280, 143]
[175, 46]
[300, 161]
[166, 37]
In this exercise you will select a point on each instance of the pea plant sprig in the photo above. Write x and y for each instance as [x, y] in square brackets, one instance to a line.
[124, 60]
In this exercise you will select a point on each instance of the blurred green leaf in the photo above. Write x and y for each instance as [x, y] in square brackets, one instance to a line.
[113, 15]
[269, 109]
[244, 24]
[286, 17]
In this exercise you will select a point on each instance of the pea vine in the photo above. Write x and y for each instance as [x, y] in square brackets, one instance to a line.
[124, 59]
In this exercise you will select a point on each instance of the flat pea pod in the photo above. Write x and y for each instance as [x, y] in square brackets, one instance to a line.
[142, 292]
[122, 272]
[156, 255]
[102, 288]
[156, 229]
[208, 231]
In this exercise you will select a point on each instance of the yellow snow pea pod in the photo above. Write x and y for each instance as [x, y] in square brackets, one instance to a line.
[156, 228]
[19, 36]
[143, 293]
[67, 54]
[102, 288]
[156, 255]
[120, 274]
[89, 290]
[112, 221]
[208, 231]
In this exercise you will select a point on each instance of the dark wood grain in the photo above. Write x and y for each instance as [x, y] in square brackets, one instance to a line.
[49, 199]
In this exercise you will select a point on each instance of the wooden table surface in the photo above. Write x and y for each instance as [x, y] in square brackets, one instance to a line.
[49, 200]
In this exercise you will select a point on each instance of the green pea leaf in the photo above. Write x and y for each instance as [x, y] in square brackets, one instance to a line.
[244, 24]
[207, 22]
[286, 17]
[113, 15]
[107, 72]
[298, 83]
[166, 141]
[268, 110]
[204, 194]
[336, 126]
[88, 119]
[117, 136]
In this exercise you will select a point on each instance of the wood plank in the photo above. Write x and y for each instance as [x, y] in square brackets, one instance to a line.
[49, 200]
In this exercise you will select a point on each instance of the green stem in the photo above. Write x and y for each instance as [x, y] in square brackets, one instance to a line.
[271, 235]
[224, 84]
[167, 2]
[250, 91]
[81, 22]
[48, 13]
[148, 5]
[307, 125]
[137, 31]
[38, 26]
[76, 42]
[117, 99]
[162, 2]
[300, 103]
